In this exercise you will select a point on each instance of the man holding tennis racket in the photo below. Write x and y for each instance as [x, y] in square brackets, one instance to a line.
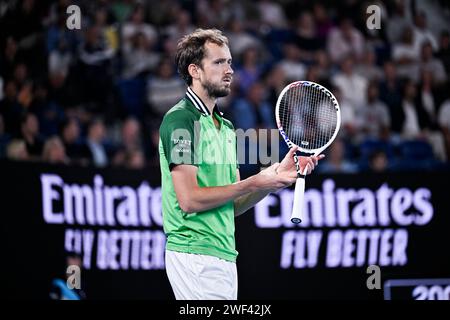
[201, 188]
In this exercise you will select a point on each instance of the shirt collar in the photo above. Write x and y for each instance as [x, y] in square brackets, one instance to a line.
[199, 105]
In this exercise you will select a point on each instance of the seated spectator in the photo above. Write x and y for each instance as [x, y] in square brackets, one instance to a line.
[373, 117]
[398, 21]
[139, 57]
[306, 37]
[272, 14]
[130, 141]
[413, 122]
[29, 132]
[136, 24]
[345, 41]
[17, 150]
[406, 56]
[348, 115]
[253, 111]
[368, 68]
[95, 143]
[71, 139]
[443, 53]
[431, 64]
[135, 159]
[324, 24]
[54, 151]
[422, 33]
[335, 161]
[250, 69]
[378, 162]
[239, 39]
[10, 109]
[352, 85]
[390, 87]
[291, 65]
[164, 89]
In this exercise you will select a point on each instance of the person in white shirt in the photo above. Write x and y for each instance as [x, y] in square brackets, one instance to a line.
[352, 85]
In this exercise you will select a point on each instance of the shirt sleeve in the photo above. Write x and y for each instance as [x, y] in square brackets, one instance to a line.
[179, 138]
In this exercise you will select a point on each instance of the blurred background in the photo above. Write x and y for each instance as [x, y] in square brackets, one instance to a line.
[94, 98]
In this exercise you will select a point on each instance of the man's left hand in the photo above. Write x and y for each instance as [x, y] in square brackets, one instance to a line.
[288, 163]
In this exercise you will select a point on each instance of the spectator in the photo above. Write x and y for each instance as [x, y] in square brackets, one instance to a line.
[306, 37]
[433, 65]
[71, 139]
[250, 70]
[239, 38]
[253, 111]
[135, 25]
[95, 139]
[323, 23]
[164, 89]
[139, 57]
[348, 116]
[335, 161]
[390, 88]
[54, 151]
[352, 85]
[60, 59]
[398, 21]
[291, 65]
[378, 162]
[345, 41]
[95, 69]
[422, 33]
[29, 129]
[444, 50]
[17, 150]
[135, 159]
[272, 14]
[368, 67]
[130, 142]
[373, 117]
[10, 109]
[406, 55]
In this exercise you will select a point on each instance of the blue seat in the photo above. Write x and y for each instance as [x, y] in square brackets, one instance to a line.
[416, 150]
[368, 147]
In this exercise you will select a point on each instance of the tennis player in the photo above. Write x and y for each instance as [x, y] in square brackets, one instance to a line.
[201, 188]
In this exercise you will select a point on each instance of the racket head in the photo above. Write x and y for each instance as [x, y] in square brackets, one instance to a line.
[307, 94]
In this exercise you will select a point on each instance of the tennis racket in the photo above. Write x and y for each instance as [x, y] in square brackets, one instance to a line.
[308, 116]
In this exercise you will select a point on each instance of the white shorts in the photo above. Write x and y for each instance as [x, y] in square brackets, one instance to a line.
[201, 277]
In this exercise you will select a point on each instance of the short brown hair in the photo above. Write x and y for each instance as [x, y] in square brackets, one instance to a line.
[191, 49]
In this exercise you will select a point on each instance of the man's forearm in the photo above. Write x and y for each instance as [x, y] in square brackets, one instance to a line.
[247, 201]
[205, 198]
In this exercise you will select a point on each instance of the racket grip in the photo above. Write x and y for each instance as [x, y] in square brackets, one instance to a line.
[299, 194]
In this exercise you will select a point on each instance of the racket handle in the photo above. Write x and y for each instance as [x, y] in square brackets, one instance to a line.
[297, 208]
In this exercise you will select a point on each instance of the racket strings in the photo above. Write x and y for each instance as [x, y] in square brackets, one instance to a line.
[308, 116]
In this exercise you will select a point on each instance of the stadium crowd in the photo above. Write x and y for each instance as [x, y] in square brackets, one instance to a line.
[96, 96]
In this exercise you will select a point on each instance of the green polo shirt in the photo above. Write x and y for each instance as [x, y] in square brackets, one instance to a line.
[188, 135]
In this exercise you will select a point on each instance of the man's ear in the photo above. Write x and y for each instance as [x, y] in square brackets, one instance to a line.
[193, 71]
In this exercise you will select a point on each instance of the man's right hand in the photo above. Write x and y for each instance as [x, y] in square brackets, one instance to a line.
[268, 179]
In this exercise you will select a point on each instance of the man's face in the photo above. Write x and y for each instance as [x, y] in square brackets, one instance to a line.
[215, 71]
